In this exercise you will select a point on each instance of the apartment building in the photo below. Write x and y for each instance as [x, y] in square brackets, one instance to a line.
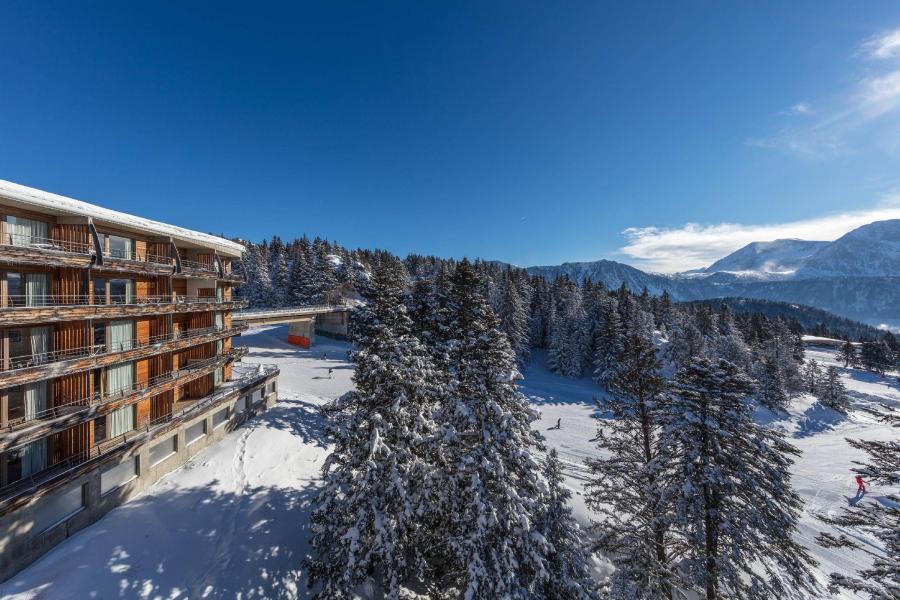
[116, 361]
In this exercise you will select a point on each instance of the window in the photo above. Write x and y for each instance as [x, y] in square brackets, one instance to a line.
[57, 507]
[195, 432]
[120, 421]
[15, 289]
[37, 289]
[271, 387]
[220, 418]
[220, 321]
[121, 291]
[241, 405]
[100, 334]
[34, 457]
[29, 346]
[117, 476]
[121, 247]
[28, 232]
[163, 450]
[120, 336]
[99, 290]
[99, 429]
[120, 378]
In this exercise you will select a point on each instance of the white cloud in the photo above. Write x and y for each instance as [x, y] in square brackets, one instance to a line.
[882, 46]
[693, 246]
[840, 126]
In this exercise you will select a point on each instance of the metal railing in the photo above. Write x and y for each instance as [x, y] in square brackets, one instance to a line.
[27, 484]
[135, 256]
[25, 361]
[199, 266]
[21, 240]
[96, 399]
[56, 300]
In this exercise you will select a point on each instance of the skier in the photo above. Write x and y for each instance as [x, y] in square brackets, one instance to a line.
[329, 373]
[324, 356]
[860, 484]
[559, 423]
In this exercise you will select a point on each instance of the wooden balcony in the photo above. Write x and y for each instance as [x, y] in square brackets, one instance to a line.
[28, 369]
[61, 417]
[18, 493]
[54, 309]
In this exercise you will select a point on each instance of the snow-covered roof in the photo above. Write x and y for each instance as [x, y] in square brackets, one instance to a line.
[42, 201]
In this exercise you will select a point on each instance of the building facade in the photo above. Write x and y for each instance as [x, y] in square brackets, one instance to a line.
[116, 361]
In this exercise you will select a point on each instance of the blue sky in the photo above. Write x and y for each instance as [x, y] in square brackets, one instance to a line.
[660, 134]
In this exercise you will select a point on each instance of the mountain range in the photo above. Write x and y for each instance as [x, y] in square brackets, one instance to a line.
[856, 276]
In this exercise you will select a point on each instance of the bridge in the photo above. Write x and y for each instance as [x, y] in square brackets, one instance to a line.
[304, 322]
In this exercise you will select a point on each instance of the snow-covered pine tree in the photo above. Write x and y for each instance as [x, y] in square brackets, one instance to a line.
[728, 478]
[367, 518]
[569, 566]
[280, 277]
[487, 494]
[326, 282]
[848, 354]
[770, 391]
[609, 343]
[812, 376]
[513, 316]
[832, 392]
[568, 338]
[881, 581]
[302, 282]
[261, 290]
[622, 488]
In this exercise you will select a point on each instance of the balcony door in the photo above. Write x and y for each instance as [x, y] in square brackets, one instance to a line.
[28, 232]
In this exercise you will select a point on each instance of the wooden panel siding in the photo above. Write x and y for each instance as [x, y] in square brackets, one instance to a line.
[72, 389]
[69, 283]
[70, 336]
[140, 249]
[161, 405]
[179, 287]
[71, 442]
[77, 234]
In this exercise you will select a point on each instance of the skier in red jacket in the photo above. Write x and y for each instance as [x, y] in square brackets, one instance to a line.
[860, 484]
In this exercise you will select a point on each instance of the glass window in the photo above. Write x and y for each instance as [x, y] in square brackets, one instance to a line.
[120, 421]
[163, 450]
[99, 429]
[120, 378]
[98, 382]
[195, 432]
[120, 335]
[99, 334]
[118, 475]
[121, 291]
[16, 403]
[99, 290]
[37, 289]
[28, 232]
[19, 347]
[220, 418]
[121, 247]
[15, 289]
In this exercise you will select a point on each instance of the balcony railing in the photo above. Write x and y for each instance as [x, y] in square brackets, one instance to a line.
[57, 300]
[98, 399]
[240, 378]
[133, 255]
[41, 243]
[199, 266]
[94, 350]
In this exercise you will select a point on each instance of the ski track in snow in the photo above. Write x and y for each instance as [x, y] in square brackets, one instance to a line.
[232, 522]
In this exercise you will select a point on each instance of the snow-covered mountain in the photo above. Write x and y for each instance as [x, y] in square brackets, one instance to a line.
[856, 276]
[779, 258]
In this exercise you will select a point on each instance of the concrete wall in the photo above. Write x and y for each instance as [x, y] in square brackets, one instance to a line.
[23, 540]
[333, 324]
[302, 332]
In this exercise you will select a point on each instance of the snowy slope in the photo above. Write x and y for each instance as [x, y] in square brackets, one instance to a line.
[872, 250]
[778, 257]
[232, 522]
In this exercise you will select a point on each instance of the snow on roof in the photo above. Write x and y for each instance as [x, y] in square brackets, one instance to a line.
[63, 206]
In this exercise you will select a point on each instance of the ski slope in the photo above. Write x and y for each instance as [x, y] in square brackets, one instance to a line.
[232, 522]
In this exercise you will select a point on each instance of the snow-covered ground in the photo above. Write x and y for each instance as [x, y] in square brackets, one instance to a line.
[231, 523]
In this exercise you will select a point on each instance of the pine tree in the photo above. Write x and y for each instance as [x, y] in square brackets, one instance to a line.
[280, 278]
[487, 494]
[513, 316]
[729, 481]
[569, 565]
[771, 392]
[609, 344]
[302, 288]
[623, 486]
[881, 520]
[848, 354]
[812, 375]
[366, 522]
[832, 392]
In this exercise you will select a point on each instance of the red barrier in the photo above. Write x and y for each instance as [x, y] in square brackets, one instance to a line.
[299, 340]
